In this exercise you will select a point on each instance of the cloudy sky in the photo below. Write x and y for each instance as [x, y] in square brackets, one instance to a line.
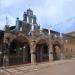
[58, 14]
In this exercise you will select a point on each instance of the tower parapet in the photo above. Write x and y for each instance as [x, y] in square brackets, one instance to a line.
[29, 17]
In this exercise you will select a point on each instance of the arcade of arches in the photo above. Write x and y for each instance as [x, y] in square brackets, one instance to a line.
[24, 51]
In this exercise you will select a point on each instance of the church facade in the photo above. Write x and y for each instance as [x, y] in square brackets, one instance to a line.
[27, 42]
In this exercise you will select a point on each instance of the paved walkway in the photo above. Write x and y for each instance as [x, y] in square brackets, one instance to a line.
[32, 69]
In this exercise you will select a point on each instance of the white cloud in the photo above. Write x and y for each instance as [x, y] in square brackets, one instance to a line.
[47, 11]
[8, 3]
[11, 20]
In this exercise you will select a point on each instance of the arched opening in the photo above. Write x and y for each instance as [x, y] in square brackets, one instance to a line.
[15, 53]
[27, 54]
[19, 52]
[56, 51]
[42, 53]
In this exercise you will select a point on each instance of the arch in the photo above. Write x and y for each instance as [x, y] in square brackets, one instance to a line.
[22, 38]
[42, 53]
[57, 50]
[19, 51]
[19, 42]
[42, 40]
[57, 43]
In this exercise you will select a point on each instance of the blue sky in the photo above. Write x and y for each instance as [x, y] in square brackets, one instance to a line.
[55, 13]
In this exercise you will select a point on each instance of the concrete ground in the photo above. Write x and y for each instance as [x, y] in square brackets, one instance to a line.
[62, 67]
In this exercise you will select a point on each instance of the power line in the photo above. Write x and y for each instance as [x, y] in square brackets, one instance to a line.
[67, 20]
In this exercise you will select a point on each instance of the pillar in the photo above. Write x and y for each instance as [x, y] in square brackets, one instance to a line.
[33, 54]
[6, 56]
[62, 52]
[6, 52]
[5, 61]
[41, 29]
[27, 19]
[50, 53]
[32, 29]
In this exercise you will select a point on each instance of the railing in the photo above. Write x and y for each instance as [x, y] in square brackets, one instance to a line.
[13, 59]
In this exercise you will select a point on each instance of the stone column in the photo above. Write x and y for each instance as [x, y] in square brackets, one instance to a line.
[62, 52]
[6, 56]
[5, 61]
[27, 19]
[50, 53]
[33, 54]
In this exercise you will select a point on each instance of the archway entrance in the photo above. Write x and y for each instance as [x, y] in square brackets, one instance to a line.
[42, 53]
[56, 52]
[19, 52]
[27, 54]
